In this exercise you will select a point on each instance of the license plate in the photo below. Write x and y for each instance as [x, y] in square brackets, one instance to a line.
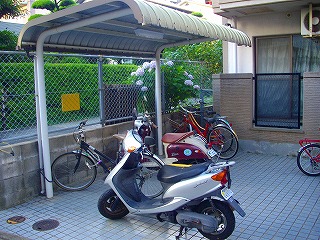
[212, 153]
[226, 193]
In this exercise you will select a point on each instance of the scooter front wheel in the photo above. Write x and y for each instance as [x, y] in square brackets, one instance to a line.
[111, 206]
[224, 216]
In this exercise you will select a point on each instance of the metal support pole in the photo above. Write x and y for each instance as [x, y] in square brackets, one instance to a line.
[36, 96]
[101, 92]
[43, 125]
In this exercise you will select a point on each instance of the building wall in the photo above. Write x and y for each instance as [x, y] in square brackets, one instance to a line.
[255, 26]
[236, 101]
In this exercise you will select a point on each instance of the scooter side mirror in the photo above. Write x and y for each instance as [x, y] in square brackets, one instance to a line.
[134, 114]
[149, 141]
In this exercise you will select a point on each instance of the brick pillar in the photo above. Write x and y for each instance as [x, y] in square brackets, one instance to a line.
[311, 105]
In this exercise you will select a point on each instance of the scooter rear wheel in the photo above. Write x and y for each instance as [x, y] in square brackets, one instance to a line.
[110, 206]
[224, 216]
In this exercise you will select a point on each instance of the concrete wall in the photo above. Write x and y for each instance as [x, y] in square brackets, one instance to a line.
[20, 174]
[236, 101]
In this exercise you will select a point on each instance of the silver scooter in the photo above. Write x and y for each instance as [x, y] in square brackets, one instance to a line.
[194, 196]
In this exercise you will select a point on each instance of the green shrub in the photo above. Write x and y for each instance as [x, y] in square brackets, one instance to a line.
[17, 80]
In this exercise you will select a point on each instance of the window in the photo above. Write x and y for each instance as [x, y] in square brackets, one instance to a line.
[287, 54]
[280, 61]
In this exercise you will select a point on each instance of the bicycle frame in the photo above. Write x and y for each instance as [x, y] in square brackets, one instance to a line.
[306, 141]
[95, 155]
[189, 118]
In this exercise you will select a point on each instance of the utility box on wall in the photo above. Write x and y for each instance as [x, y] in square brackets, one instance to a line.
[70, 102]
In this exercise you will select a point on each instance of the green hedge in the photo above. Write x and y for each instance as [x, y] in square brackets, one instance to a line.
[17, 81]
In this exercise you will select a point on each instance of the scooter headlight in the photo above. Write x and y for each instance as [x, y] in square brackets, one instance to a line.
[131, 149]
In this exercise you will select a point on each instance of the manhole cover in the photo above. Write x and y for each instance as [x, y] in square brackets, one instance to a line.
[45, 225]
[16, 219]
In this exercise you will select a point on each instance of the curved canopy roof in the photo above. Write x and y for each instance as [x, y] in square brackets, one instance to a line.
[122, 27]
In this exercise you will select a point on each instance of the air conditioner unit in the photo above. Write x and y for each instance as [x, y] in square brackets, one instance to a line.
[315, 21]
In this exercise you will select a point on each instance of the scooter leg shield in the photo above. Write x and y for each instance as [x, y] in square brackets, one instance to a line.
[125, 183]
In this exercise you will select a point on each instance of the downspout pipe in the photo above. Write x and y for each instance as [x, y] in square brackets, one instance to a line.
[43, 125]
[158, 85]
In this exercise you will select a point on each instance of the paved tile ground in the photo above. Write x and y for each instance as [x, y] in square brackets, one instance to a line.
[280, 202]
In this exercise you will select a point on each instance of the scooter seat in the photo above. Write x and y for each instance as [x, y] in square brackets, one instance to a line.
[175, 137]
[173, 174]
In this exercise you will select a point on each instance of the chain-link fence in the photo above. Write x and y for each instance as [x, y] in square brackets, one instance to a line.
[99, 88]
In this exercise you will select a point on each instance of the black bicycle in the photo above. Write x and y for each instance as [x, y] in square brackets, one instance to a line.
[77, 170]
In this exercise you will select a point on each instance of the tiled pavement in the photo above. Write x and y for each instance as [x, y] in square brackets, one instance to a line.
[280, 202]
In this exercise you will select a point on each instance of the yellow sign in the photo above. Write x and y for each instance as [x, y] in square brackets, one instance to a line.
[70, 102]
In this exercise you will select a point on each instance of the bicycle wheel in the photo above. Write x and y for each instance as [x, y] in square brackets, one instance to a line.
[308, 159]
[73, 171]
[147, 177]
[223, 141]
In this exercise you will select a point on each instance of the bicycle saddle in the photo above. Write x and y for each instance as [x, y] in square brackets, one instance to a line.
[175, 137]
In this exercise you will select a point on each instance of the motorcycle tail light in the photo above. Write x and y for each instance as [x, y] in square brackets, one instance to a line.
[221, 176]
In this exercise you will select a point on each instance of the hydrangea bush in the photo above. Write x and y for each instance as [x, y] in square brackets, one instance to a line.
[179, 85]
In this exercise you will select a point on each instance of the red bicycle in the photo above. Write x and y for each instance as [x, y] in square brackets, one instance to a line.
[217, 133]
[308, 159]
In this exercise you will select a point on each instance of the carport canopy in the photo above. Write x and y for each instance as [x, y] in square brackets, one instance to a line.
[113, 27]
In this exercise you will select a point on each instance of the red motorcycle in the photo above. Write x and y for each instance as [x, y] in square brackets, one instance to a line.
[184, 148]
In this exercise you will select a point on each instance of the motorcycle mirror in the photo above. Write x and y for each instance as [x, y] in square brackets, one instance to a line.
[134, 114]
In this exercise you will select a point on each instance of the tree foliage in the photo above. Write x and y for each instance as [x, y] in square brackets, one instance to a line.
[208, 52]
[8, 40]
[10, 9]
[51, 5]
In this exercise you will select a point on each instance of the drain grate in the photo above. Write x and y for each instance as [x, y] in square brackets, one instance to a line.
[16, 219]
[45, 225]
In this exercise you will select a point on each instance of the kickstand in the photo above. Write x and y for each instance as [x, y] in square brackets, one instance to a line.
[180, 232]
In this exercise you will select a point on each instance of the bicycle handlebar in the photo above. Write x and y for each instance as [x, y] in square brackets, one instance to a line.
[210, 112]
[80, 136]
[187, 111]
[83, 123]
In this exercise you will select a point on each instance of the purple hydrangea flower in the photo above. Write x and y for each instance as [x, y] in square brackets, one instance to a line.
[190, 77]
[145, 65]
[169, 63]
[188, 82]
[140, 71]
[144, 89]
[152, 65]
[197, 87]
[139, 82]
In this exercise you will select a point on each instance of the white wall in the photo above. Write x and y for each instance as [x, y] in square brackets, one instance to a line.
[255, 26]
